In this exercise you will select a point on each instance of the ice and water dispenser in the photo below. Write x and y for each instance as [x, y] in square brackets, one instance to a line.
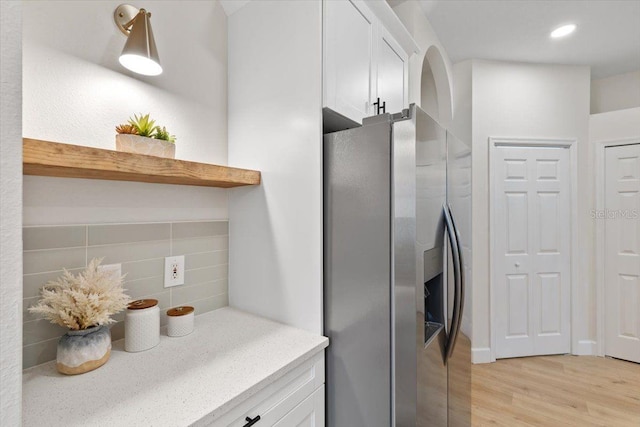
[433, 294]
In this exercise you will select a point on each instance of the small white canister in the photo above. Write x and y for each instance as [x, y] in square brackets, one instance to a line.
[142, 325]
[180, 321]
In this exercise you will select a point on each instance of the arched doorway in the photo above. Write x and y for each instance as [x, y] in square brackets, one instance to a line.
[435, 89]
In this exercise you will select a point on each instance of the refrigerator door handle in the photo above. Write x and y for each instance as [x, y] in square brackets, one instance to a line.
[463, 285]
[462, 277]
[457, 278]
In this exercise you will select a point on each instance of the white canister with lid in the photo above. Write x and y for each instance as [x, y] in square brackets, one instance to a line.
[180, 321]
[142, 325]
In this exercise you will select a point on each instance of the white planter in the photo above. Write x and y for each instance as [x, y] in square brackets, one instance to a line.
[143, 145]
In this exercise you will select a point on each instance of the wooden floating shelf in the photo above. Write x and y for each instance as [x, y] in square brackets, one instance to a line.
[45, 158]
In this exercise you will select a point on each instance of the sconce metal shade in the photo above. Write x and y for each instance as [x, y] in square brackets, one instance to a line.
[140, 54]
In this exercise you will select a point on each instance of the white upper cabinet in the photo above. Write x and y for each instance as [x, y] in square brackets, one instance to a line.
[348, 58]
[362, 62]
[392, 73]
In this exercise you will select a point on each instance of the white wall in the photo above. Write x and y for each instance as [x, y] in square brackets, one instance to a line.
[429, 93]
[275, 126]
[462, 96]
[614, 125]
[76, 92]
[10, 214]
[526, 100]
[615, 93]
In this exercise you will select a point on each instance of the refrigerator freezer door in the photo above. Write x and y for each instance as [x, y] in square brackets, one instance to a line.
[357, 216]
[403, 190]
[430, 311]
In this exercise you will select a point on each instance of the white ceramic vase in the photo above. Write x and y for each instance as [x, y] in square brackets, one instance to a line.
[143, 145]
[83, 351]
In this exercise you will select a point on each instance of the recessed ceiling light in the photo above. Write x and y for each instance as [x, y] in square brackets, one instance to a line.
[565, 30]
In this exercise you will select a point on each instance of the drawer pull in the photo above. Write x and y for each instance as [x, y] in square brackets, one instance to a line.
[250, 421]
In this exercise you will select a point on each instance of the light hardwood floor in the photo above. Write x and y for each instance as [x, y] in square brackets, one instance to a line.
[556, 391]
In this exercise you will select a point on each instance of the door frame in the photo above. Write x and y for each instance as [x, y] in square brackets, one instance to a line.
[571, 145]
[600, 154]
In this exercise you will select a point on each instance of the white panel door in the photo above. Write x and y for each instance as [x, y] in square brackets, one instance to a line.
[532, 244]
[309, 413]
[392, 87]
[349, 63]
[622, 249]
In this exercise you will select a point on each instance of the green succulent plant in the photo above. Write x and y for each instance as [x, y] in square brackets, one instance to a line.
[143, 124]
[162, 133]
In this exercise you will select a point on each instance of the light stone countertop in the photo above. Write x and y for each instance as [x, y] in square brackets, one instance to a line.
[229, 357]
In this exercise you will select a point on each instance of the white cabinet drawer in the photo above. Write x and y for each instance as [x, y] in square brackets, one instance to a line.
[310, 413]
[277, 399]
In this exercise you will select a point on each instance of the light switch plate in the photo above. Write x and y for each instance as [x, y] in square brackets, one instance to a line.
[173, 271]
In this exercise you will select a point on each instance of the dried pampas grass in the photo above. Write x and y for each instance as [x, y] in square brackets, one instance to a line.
[82, 301]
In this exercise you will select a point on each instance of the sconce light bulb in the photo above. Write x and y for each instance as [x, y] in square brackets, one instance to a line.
[140, 64]
[563, 31]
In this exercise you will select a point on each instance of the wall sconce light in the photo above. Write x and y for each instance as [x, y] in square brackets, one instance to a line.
[139, 54]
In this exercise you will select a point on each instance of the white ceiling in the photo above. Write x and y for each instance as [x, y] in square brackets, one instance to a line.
[607, 37]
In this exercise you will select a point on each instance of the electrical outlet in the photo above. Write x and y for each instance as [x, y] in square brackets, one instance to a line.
[173, 271]
[114, 269]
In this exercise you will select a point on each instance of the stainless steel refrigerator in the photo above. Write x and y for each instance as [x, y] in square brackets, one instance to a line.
[394, 275]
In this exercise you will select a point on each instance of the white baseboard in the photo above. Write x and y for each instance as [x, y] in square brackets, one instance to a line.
[481, 355]
[586, 348]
